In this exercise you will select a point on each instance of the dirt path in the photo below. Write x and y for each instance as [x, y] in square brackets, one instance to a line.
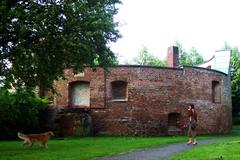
[159, 153]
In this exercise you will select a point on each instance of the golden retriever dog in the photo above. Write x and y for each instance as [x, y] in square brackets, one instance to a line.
[30, 139]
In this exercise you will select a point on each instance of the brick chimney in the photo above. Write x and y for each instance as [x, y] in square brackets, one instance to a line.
[172, 57]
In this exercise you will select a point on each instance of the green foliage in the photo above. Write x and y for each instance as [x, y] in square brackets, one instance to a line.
[236, 116]
[194, 57]
[188, 58]
[39, 39]
[19, 112]
[236, 127]
[235, 79]
[182, 53]
[146, 58]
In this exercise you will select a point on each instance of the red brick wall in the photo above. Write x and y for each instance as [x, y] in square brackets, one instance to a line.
[97, 90]
[153, 93]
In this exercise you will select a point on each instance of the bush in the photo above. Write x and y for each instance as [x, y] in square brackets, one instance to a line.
[19, 112]
[236, 119]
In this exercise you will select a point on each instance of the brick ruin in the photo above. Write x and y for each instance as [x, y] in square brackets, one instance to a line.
[143, 100]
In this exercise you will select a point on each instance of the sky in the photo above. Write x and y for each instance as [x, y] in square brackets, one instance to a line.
[156, 24]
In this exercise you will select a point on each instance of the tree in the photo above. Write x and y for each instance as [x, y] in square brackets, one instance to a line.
[20, 111]
[146, 58]
[182, 53]
[192, 57]
[235, 78]
[41, 38]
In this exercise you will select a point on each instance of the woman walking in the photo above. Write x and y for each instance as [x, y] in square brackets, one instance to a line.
[192, 114]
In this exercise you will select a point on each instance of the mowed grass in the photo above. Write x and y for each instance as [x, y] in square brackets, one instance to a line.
[227, 150]
[84, 148]
[81, 148]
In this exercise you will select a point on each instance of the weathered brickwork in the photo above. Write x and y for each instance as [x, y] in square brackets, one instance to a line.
[152, 94]
[97, 87]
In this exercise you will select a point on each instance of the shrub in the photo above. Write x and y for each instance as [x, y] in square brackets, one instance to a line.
[236, 119]
[19, 112]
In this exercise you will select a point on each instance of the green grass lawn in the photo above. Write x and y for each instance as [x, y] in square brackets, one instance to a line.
[84, 148]
[81, 148]
[228, 150]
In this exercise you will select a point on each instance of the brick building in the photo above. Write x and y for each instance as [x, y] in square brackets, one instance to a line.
[145, 100]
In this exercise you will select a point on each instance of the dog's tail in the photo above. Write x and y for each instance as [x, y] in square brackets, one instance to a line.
[21, 136]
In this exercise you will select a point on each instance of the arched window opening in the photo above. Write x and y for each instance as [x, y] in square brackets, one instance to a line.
[119, 90]
[216, 92]
[79, 94]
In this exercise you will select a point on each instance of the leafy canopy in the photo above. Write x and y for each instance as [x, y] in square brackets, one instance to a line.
[235, 79]
[192, 57]
[40, 38]
[20, 111]
[146, 58]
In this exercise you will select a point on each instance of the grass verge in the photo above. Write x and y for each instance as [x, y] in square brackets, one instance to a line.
[81, 148]
[227, 150]
[84, 148]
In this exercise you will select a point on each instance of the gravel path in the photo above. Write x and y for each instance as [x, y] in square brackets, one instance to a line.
[159, 153]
